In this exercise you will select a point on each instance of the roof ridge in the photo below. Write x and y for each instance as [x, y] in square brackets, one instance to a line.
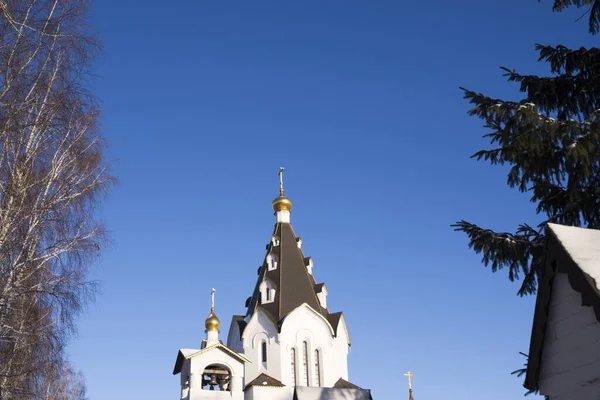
[280, 270]
[301, 253]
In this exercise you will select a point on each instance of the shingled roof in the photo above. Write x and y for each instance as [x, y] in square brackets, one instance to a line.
[293, 284]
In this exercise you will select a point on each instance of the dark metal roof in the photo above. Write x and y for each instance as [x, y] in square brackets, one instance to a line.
[241, 323]
[334, 321]
[342, 383]
[319, 287]
[264, 380]
[556, 260]
[293, 284]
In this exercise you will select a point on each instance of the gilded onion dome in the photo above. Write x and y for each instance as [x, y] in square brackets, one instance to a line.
[282, 203]
[212, 323]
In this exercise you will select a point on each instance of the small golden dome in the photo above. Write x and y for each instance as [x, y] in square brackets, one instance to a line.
[282, 203]
[212, 323]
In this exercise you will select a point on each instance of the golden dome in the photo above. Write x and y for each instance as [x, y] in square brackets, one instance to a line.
[282, 203]
[212, 323]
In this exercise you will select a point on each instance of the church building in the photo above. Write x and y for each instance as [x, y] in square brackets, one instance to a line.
[287, 345]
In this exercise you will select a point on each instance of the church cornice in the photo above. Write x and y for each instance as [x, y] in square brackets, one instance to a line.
[181, 356]
[315, 312]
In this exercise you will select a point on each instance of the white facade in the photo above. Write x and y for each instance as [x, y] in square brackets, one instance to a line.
[570, 367]
[326, 353]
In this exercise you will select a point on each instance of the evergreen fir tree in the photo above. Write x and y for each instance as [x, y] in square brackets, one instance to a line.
[593, 9]
[551, 141]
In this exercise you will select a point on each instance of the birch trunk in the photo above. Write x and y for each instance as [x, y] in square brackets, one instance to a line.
[52, 178]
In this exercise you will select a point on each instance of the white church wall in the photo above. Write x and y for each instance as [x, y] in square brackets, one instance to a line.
[305, 324]
[184, 378]
[571, 351]
[269, 393]
[342, 349]
[261, 328]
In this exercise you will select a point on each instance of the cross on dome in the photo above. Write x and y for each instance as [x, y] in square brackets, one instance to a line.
[281, 203]
[409, 375]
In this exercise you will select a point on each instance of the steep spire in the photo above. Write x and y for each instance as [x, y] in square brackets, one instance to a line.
[285, 280]
[409, 375]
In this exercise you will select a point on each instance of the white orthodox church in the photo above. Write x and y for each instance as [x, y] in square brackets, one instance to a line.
[287, 346]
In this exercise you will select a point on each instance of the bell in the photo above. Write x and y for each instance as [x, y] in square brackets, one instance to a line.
[223, 382]
[213, 380]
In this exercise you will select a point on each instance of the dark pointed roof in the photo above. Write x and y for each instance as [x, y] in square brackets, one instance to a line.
[293, 284]
[264, 380]
[344, 384]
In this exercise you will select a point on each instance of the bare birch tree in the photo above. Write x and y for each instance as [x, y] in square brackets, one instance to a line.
[52, 177]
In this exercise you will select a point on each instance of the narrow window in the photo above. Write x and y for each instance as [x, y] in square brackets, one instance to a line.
[268, 293]
[317, 369]
[264, 352]
[293, 364]
[305, 368]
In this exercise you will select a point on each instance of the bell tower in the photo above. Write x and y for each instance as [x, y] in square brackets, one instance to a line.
[214, 371]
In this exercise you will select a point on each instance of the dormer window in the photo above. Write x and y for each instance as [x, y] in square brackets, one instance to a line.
[299, 243]
[321, 291]
[308, 262]
[272, 262]
[275, 240]
[267, 292]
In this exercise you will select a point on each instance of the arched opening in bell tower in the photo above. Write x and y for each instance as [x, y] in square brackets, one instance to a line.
[216, 377]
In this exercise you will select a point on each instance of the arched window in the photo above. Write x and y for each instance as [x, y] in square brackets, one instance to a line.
[293, 365]
[305, 368]
[264, 352]
[317, 369]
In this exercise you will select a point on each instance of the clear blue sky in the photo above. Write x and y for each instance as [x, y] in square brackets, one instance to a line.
[204, 100]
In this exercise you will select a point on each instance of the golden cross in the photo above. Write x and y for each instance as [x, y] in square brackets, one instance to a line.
[409, 374]
[212, 299]
[280, 180]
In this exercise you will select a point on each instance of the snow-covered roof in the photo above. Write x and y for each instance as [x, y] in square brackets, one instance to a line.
[188, 352]
[320, 393]
[575, 252]
[583, 246]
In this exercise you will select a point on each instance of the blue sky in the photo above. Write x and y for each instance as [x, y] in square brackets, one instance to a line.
[204, 100]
